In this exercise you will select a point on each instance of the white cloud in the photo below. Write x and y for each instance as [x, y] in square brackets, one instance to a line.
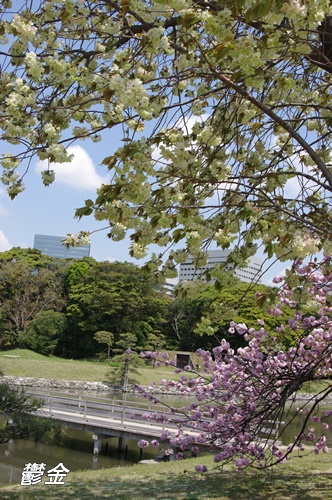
[4, 242]
[80, 173]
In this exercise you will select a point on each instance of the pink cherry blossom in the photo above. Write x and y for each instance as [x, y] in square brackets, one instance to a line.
[142, 443]
[244, 391]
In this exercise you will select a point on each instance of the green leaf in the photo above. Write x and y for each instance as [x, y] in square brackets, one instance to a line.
[108, 160]
[130, 150]
[189, 20]
[238, 4]
[108, 193]
[222, 49]
[178, 235]
[264, 8]
[154, 221]
[83, 211]
[257, 11]
[158, 194]
[269, 250]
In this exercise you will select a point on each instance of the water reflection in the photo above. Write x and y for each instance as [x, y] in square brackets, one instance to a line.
[294, 425]
[76, 455]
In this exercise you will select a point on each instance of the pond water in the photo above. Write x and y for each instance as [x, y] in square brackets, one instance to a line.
[77, 453]
[294, 425]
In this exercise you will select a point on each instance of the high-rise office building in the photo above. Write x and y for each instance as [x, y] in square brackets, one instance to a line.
[54, 247]
[188, 271]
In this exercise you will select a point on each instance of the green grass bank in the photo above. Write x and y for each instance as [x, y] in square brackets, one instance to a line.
[306, 478]
[25, 363]
[30, 364]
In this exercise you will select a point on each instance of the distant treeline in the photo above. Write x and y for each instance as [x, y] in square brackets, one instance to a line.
[84, 308]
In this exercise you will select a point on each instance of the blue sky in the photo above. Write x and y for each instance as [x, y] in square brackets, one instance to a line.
[50, 210]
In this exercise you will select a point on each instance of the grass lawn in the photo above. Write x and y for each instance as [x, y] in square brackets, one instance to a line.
[31, 364]
[307, 478]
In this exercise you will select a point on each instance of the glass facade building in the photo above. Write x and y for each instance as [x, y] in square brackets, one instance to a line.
[54, 247]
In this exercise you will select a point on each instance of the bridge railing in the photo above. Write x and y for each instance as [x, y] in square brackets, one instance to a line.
[115, 413]
[47, 393]
[83, 407]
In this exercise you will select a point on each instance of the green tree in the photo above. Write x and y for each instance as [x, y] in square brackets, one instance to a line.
[115, 297]
[241, 304]
[107, 338]
[78, 269]
[128, 360]
[94, 302]
[18, 422]
[44, 332]
[203, 318]
[184, 314]
[24, 292]
[31, 256]
[127, 372]
[15, 408]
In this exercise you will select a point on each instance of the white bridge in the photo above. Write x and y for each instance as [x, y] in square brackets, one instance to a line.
[105, 417]
[122, 419]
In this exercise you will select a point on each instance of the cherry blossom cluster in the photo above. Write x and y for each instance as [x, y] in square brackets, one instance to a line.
[243, 401]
